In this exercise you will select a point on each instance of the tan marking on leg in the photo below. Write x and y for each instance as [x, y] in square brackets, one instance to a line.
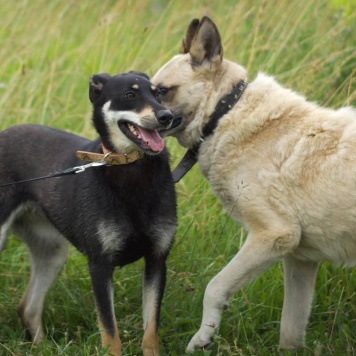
[150, 340]
[107, 339]
[32, 322]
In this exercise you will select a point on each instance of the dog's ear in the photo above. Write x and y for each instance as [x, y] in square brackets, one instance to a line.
[187, 41]
[206, 44]
[96, 85]
[141, 74]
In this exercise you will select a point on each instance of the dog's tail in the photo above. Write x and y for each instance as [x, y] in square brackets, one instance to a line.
[3, 235]
[5, 226]
[3, 238]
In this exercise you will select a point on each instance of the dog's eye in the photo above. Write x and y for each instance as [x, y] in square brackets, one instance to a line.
[163, 90]
[158, 95]
[130, 95]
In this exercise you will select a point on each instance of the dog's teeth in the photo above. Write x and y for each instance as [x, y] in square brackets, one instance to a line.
[133, 130]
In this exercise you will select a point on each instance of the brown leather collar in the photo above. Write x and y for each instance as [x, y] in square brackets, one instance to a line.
[110, 159]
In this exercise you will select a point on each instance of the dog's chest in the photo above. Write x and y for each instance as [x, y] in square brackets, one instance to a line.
[122, 240]
[135, 216]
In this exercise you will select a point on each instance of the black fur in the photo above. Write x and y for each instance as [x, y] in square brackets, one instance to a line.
[136, 202]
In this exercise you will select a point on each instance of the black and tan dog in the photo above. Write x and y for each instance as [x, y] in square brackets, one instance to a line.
[114, 214]
[283, 167]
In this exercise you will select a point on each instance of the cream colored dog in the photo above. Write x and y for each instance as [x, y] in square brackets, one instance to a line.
[283, 167]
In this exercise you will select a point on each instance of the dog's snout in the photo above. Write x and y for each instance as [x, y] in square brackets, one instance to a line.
[165, 117]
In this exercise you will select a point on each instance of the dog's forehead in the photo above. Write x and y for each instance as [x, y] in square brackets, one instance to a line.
[177, 66]
[125, 82]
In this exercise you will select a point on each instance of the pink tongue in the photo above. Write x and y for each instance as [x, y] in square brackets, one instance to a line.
[153, 139]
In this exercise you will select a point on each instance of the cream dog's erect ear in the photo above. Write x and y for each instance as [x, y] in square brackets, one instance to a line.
[187, 41]
[205, 44]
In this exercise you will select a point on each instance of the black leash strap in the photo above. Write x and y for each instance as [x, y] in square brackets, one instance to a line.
[65, 172]
[187, 162]
[223, 106]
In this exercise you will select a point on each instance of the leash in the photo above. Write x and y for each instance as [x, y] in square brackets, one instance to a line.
[223, 107]
[65, 172]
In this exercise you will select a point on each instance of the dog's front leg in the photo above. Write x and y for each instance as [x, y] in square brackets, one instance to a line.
[101, 276]
[260, 251]
[299, 281]
[153, 288]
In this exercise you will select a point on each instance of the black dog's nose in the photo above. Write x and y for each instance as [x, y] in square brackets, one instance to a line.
[165, 117]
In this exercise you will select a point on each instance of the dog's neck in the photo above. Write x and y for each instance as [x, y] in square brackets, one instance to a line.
[224, 105]
[110, 159]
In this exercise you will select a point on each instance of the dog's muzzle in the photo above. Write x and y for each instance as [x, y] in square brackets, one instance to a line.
[174, 127]
[165, 117]
[176, 122]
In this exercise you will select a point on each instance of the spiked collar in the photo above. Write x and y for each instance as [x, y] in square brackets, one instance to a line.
[224, 106]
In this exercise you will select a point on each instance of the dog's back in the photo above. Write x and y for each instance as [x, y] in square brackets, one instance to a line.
[306, 162]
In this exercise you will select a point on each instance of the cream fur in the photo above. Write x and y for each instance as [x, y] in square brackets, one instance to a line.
[283, 167]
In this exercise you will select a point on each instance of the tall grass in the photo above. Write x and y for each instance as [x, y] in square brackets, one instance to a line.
[49, 49]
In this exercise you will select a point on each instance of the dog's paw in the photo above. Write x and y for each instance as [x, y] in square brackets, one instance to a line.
[150, 352]
[199, 342]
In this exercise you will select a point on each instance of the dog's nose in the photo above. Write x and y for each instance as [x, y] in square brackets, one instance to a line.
[165, 117]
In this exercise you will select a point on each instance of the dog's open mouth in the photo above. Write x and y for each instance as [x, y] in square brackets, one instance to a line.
[148, 140]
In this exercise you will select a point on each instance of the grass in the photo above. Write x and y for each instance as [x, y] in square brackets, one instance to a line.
[49, 50]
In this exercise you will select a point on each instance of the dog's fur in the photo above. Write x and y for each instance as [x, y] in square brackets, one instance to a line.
[283, 167]
[113, 214]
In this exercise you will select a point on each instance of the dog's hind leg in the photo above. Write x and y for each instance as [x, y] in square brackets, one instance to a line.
[153, 289]
[101, 275]
[49, 250]
[299, 281]
[260, 251]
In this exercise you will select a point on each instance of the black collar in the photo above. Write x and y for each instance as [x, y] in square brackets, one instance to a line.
[224, 105]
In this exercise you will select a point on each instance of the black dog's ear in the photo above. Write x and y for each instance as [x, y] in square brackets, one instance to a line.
[141, 74]
[96, 85]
